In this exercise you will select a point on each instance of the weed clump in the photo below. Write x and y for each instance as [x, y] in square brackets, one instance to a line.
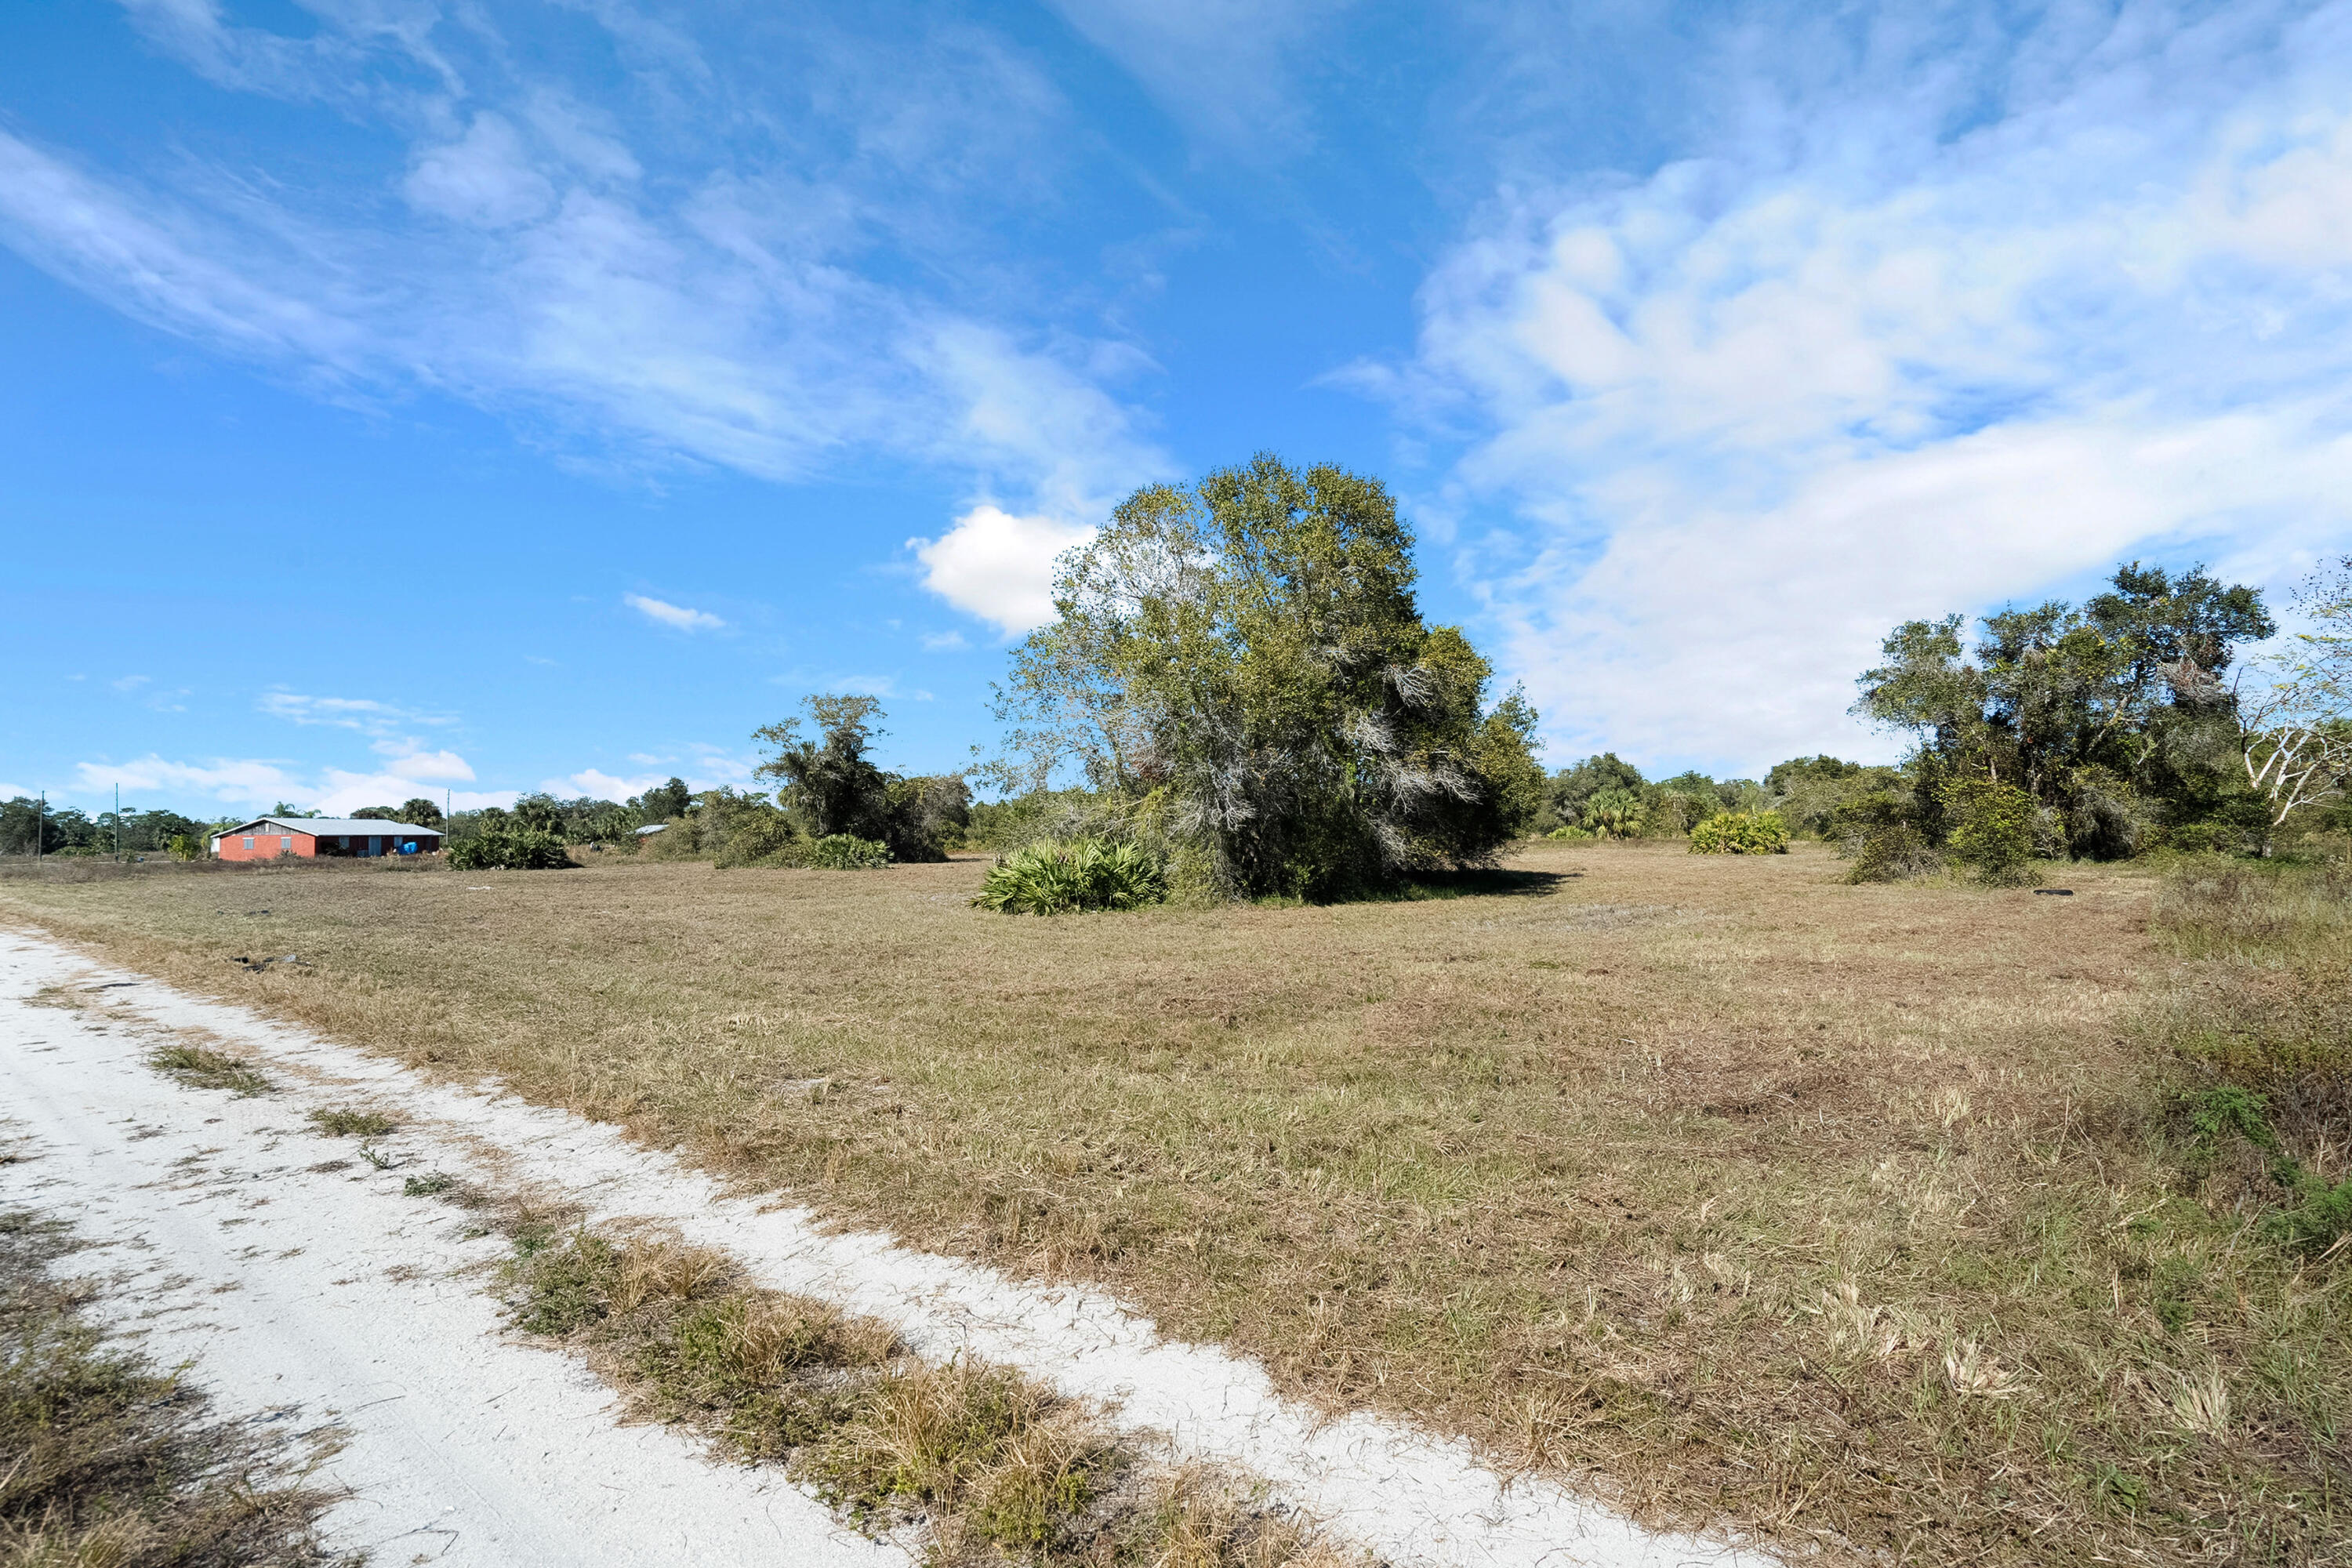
[2319, 1220]
[201, 1067]
[997, 1466]
[343, 1120]
[109, 1462]
[1084, 874]
[2265, 1009]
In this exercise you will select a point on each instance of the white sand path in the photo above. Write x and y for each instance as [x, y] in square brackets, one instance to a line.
[327, 1306]
[517, 1473]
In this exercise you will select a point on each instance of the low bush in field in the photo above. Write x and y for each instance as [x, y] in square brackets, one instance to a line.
[1614, 814]
[1892, 854]
[509, 849]
[1088, 874]
[845, 852]
[1570, 835]
[1740, 833]
[1993, 830]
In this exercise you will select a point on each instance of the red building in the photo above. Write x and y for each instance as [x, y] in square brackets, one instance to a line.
[268, 837]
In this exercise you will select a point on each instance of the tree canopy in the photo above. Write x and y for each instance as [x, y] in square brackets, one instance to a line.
[2112, 718]
[831, 788]
[1246, 662]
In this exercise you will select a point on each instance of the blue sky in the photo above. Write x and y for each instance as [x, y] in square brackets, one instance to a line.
[482, 396]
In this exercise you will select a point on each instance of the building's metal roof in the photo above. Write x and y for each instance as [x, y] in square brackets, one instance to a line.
[332, 826]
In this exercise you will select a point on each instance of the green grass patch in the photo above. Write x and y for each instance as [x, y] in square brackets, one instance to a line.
[343, 1121]
[201, 1067]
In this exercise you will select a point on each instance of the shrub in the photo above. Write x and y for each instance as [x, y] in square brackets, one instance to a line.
[844, 852]
[1891, 854]
[1993, 829]
[1674, 812]
[1740, 833]
[1571, 835]
[747, 831]
[504, 848]
[1086, 874]
[2207, 838]
[1614, 814]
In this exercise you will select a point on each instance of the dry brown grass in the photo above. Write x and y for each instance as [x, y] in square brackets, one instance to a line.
[1839, 1212]
[109, 1462]
[988, 1468]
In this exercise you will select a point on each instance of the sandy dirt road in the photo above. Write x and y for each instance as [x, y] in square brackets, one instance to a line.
[324, 1303]
[306, 1287]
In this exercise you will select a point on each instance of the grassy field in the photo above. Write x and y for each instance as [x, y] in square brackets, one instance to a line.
[1863, 1215]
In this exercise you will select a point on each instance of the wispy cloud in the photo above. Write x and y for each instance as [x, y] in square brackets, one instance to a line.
[1226, 70]
[343, 712]
[1858, 365]
[674, 615]
[798, 285]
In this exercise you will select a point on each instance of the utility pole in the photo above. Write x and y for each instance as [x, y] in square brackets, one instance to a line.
[40, 826]
[117, 824]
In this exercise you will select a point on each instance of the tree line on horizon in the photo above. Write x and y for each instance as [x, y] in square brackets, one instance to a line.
[1239, 694]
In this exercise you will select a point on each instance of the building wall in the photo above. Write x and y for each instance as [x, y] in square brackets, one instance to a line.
[270, 846]
[267, 846]
[365, 845]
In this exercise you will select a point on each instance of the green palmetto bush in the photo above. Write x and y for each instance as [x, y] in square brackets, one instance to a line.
[1740, 833]
[507, 848]
[1085, 874]
[846, 852]
[1614, 814]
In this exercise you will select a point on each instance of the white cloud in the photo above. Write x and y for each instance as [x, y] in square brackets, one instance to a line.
[945, 642]
[443, 766]
[152, 260]
[257, 784]
[716, 765]
[1754, 409]
[669, 615]
[598, 785]
[485, 178]
[338, 793]
[998, 566]
[236, 781]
